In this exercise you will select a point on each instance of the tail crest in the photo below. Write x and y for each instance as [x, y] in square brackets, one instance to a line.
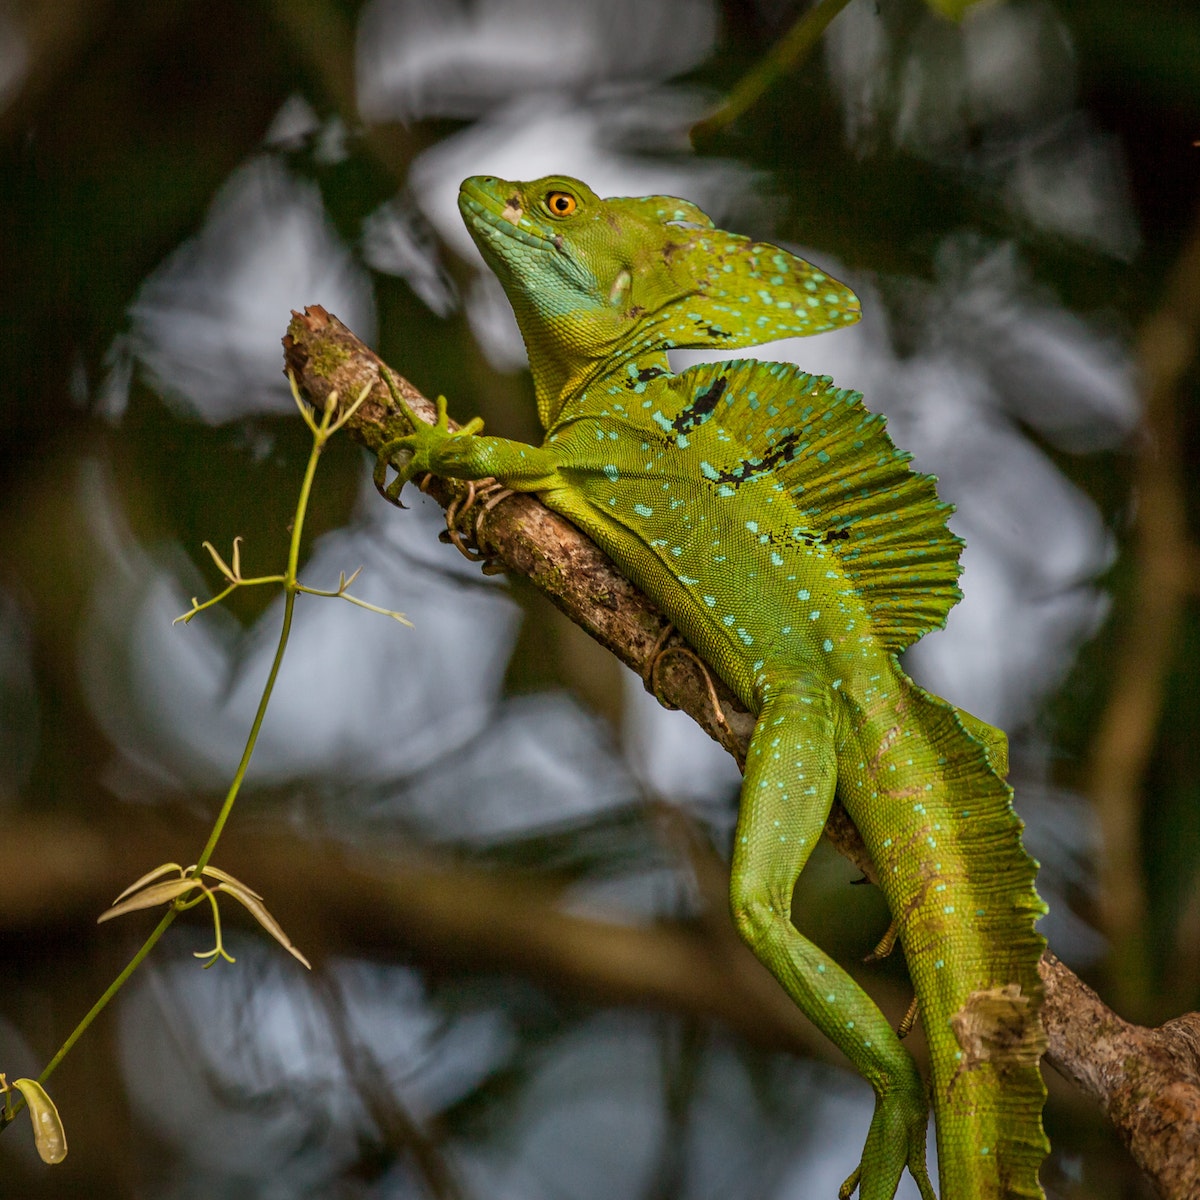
[982, 1013]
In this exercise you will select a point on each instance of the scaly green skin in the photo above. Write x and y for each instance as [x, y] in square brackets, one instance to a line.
[772, 520]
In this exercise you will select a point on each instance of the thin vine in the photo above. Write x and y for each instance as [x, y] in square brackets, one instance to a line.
[201, 881]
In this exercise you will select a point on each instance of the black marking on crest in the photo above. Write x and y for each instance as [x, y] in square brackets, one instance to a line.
[783, 452]
[822, 538]
[701, 407]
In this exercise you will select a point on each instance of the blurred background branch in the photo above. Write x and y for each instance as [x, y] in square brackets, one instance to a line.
[395, 905]
[1166, 560]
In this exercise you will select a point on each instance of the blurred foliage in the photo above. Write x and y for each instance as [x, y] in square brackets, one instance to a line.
[120, 130]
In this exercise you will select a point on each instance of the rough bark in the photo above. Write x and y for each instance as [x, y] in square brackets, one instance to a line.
[1147, 1081]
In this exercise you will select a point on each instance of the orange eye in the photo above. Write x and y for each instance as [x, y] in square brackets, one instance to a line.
[561, 204]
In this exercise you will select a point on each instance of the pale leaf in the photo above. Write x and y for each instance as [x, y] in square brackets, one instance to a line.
[225, 877]
[255, 905]
[159, 893]
[149, 877]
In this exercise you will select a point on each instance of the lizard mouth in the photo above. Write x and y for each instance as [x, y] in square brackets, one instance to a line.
[488, 218]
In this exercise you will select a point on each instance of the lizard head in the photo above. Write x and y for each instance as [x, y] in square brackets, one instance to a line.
[591, 278]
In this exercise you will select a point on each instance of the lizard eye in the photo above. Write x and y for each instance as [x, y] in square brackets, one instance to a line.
[561, 204]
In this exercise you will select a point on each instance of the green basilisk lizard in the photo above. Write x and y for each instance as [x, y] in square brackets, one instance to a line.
[770, 517]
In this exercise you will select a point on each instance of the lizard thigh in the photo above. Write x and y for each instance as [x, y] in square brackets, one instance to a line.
[791, 770]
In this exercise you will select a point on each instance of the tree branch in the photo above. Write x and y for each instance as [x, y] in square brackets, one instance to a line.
[1146, 1080]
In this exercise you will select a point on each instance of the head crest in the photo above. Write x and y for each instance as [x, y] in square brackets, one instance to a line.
[715, 288]
[594, 281]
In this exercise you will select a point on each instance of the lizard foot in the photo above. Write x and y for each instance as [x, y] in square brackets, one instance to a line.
[896, 1140]
[650, 675]
[908, 1020]
[887, 943]
[490, 492]
[428, 446]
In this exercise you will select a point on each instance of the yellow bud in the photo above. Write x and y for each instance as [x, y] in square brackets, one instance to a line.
[48, 1133]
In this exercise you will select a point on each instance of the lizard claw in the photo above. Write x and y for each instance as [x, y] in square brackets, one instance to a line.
[887, 943]
[424, 444]
[391, 491]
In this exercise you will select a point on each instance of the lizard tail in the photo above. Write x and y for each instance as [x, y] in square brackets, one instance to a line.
[967, 926]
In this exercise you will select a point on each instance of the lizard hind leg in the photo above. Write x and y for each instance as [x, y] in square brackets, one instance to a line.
[789, 785]
[490, 492]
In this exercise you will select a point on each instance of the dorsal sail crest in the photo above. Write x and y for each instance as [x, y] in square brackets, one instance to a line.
[847, 480]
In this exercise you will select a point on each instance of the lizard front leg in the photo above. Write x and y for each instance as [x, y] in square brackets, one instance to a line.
[461, 454]
[791, 771]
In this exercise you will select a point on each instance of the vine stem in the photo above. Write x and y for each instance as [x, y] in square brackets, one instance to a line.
[113, 988]
[321, 432]
[11, 1111]
[291, 589]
